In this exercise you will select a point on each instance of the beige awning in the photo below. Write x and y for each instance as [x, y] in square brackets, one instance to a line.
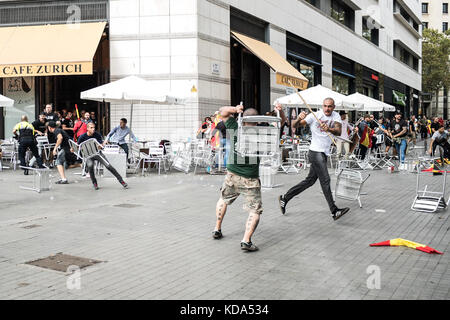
[64, 49]
[286, 73]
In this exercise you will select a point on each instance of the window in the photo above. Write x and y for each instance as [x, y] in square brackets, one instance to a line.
[444, 26]
[425, 25]
[313, 2]
[342, 13]
[424, 7]
[445, 8]
[308, 70]
[342, 84]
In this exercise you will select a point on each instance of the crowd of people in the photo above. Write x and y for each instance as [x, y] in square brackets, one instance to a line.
[60, 128]
[383, 134]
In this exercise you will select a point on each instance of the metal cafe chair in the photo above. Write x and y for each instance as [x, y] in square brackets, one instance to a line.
[156, 155]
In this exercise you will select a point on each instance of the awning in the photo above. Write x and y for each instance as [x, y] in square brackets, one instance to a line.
[285, 71]
[64, 49]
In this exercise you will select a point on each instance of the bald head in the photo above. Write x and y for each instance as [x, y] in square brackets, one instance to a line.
[24, 118]
[250, 112]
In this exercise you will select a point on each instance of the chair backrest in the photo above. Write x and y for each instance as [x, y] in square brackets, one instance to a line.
[8, 149]
[153, 144]
[75, 147]
[89, 148]
[42, 140]
[156, 151]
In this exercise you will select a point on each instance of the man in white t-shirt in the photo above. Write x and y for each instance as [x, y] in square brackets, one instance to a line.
[330, 123]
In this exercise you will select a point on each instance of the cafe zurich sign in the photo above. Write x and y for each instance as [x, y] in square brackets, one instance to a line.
[42, 70]
[291, 81]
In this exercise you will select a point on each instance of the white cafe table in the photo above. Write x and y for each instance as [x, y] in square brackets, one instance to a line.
[118, 161]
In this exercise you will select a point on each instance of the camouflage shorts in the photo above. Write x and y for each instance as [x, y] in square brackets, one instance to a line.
[235, 185]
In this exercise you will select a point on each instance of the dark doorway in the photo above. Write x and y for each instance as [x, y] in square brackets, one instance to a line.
[245, 77]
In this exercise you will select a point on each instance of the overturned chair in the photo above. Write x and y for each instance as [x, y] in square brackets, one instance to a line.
[41, 179]
[429, 201]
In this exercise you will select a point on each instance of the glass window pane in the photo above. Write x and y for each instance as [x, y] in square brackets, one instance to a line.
[341, 84]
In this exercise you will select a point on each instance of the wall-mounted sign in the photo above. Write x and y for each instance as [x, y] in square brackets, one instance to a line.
[215, 68]
[374, 77]
[42, 70]
[291, 81]
[399, 98]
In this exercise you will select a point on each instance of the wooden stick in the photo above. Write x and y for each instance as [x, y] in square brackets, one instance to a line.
[309, 108]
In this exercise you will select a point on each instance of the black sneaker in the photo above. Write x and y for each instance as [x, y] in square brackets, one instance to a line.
[217, 235]
[96, 186]
[25, 172]
[124, 184]
[248, 246]
[338, 213]
[283, 204]
[62, 182]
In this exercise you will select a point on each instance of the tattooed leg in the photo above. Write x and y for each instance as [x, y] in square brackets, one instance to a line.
[221, 209]
[252, 224]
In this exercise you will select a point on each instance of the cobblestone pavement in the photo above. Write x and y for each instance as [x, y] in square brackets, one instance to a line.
[159, 245]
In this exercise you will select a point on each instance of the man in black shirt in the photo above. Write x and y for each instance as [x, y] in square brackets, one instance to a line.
[48, 111]
[67, 124]
[91, 134]
[39, 125]
[399, 133]
[435, 126]
[62, 140]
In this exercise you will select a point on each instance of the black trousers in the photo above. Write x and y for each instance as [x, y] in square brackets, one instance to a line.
[90, 164]
[23, 146]
[362, 151]
[318, 170]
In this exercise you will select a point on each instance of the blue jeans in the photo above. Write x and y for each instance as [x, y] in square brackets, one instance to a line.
[401, 150]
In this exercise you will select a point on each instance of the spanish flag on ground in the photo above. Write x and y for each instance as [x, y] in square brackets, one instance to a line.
[406, 243]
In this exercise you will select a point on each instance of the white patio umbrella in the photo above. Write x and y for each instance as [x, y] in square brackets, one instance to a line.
[370, 104]
[130, 90]
[6, 102]
[314, 97]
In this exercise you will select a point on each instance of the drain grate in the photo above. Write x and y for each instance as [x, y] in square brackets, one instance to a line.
[32, 226]
[61, 262]
[128, 205]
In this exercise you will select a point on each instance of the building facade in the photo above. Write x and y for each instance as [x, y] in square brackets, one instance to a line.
[435, 16]
[190, 48]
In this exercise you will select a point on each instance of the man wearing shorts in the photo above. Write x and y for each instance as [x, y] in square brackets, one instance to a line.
[242, 178]
[62, 140]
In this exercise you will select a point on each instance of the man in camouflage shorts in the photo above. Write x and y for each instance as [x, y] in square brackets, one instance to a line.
[242, 178]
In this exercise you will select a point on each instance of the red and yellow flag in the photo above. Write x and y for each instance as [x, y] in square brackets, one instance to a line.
[365, 138]
[406, 243]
